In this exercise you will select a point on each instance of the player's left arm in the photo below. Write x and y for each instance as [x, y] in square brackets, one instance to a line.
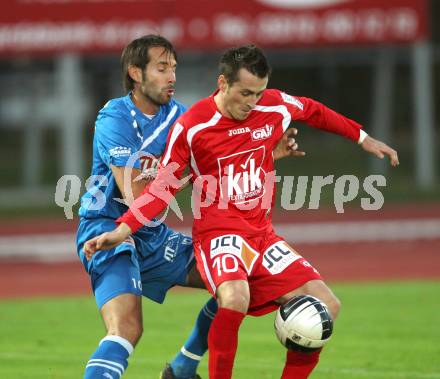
[380, 149]
[318, 115]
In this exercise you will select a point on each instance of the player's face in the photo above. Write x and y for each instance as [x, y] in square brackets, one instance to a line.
[241, 97]
[159, 76]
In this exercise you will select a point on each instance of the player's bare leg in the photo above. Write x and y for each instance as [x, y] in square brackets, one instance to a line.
[233, 299]
[122, 317]
[299, 365]
[318, 289]
[234, 295]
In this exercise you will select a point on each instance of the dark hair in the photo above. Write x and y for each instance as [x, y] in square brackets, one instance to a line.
[249, 57]
[136, 54]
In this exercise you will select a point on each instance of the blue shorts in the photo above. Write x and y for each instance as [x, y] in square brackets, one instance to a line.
[149, 264]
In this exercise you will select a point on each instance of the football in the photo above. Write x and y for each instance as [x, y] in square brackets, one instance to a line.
[303, 323]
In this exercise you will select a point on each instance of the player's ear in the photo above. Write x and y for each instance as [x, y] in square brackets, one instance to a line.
[135, 73]
[222, 83]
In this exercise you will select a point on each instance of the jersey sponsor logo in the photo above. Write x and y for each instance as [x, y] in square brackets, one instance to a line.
[226, 244]
[279, 256]
[262, 133]
[149, 165]
[120, 151]
[234, 132]
[242, 176]
[232, 244]
[292, 100]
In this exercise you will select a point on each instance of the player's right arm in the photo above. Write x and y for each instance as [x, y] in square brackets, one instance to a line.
[155, 197]
[130, 182]
[162, 189]
[319, 116]
[117, 141]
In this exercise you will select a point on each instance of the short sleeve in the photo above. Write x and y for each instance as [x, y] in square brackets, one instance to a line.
[116, 141]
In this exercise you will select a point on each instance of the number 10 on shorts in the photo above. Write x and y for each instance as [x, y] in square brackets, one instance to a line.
[226, 252]
[225, 263]
[137, 285]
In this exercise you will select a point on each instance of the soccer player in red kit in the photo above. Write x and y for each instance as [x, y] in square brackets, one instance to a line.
[227, 140]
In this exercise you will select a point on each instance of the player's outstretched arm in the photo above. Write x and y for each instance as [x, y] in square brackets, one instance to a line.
[380, 150]
[107, 240]
[288, 147]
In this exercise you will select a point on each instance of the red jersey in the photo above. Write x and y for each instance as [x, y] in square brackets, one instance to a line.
[231, 161]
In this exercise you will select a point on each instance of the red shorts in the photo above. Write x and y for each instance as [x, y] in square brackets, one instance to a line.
[271, 267]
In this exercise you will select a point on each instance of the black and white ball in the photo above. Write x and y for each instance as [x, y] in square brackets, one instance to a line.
[303, 323]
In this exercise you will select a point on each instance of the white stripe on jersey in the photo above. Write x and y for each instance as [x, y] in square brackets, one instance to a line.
[287, 117]
[197, 128]
[194, 164]
[178, 128]
[161, 127]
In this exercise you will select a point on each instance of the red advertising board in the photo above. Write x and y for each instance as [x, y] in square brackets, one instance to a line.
[46, 26]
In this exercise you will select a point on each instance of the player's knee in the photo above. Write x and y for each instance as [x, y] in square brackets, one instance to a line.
[234, 298]
[234, 295]
[237, 303]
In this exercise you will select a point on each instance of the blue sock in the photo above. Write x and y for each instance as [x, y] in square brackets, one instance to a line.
[110, 359]
[185, 363]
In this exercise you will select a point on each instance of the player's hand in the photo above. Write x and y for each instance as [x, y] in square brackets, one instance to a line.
[107, 240]
[288, 147]
[380, 149]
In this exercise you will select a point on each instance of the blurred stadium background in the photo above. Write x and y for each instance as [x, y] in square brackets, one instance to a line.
[377, 62]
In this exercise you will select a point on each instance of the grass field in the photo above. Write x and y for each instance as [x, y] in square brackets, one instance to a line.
[385, 331]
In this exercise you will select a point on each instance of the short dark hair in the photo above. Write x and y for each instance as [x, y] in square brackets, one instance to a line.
[249, 57]
[136, 54]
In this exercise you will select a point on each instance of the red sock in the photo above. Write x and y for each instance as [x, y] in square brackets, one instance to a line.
[299, 365]
[222, 342]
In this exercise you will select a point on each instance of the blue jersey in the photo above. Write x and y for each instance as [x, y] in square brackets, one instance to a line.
[160, 258]
[121, 130]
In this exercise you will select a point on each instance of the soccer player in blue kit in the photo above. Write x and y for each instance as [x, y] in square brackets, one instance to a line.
[156, 258]
[130, 136]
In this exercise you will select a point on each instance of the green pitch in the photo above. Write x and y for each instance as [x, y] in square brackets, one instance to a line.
[385, 331]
